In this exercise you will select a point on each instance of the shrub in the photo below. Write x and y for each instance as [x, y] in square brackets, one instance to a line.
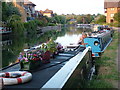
[51, 24]
[31, 26]
[117, 17]
[18, 27]
[116, 24]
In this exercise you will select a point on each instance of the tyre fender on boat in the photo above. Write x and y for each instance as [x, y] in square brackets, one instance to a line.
[16, 77]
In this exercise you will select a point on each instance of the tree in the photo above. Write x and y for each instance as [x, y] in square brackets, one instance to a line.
[57, 18]
[79, 19]
[100, 19]
[62, 19]
[12, 19]
[89, 18]
[117, 17]
[8, 10]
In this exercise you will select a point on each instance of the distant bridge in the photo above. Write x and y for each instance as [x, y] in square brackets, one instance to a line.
[83, 24]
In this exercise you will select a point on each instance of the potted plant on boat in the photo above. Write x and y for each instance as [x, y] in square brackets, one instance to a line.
[30, 61]
[52, 47]
[44, 54]
[59, 47]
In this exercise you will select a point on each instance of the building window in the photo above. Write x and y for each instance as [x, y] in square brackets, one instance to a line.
[111, 20]
[112, 8]
[111, 15]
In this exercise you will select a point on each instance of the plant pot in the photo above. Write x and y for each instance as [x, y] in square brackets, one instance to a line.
[30, 65]
[53, 54]
[46, 57]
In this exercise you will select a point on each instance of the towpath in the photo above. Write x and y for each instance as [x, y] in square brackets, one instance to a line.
[118, 56]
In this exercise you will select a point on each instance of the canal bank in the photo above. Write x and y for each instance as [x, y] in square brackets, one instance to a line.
[48, 28]
[105, 64]
[107, 75]
[118, 58]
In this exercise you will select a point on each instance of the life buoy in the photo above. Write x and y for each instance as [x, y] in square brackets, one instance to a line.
[16, 77]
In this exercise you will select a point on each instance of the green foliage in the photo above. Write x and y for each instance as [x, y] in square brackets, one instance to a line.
[62, 19]
[44, 47]
[84, 18]
[8, 10]
[12, 19]
[57, 19]
[11, 16]
[14, 22]
[51, 46]
[114, 24]
[17, 28]
[51, 24]
[79, 19]
[117, 17]
[100, 19]
[31, 27]
[99, 84]
[52, 20]
[40, 23]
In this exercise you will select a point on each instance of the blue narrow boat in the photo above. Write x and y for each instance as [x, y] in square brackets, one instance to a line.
[99, 42]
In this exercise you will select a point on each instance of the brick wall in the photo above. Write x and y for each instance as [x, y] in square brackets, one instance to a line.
[110, 14]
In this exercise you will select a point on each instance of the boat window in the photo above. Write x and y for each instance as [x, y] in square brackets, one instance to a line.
[96, 43]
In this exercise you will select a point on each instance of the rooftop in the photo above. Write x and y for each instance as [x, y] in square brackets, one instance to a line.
[111, 3]
[48, 11]
[27, 2]
[111, 0]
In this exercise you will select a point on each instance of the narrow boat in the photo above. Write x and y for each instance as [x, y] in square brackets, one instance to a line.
[61, 70]
[98, 41]
[97, 28]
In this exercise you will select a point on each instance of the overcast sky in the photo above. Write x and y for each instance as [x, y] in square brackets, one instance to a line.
[71, 6]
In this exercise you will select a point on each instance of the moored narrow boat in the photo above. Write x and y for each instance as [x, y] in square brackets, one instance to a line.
[98, 41]
[66, 62]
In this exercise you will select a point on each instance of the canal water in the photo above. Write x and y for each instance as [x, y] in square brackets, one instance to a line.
[12, 45]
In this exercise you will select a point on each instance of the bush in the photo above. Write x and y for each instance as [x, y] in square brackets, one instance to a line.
[8, 9]
[117, 17]
[40, 23]
[115, 24]
[18, 27]
[31, 26]
[101, 19]
[51, 24]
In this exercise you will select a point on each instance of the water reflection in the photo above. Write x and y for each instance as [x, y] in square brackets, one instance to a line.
[16, 44]
[72, 36]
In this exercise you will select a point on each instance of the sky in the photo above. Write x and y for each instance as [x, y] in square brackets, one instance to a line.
[71, 6]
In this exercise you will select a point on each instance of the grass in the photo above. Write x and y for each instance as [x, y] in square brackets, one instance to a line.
[99, 84]
[107, 74]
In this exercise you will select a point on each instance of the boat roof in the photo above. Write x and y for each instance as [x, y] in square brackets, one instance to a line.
[44, 73]
[99, 34]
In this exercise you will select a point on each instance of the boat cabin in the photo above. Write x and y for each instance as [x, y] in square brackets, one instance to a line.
[98, 42]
